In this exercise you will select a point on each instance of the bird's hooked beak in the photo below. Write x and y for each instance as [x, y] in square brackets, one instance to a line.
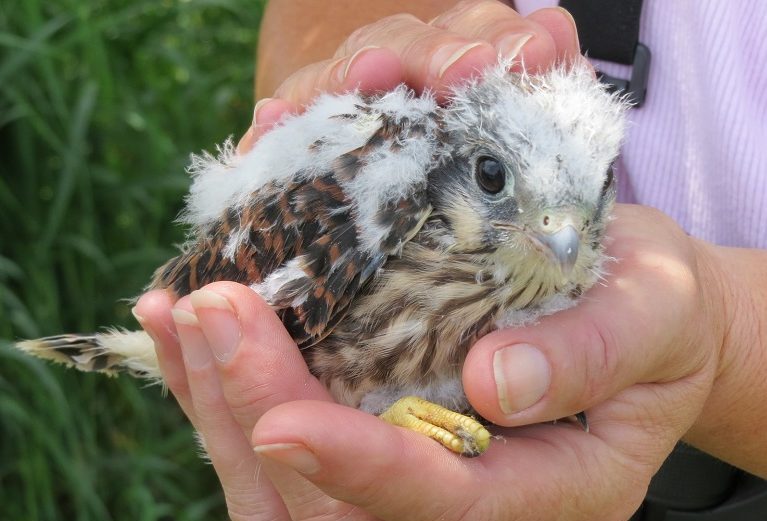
[562, 246]
[554, 234]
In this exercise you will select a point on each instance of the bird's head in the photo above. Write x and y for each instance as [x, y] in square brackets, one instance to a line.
[526, 174]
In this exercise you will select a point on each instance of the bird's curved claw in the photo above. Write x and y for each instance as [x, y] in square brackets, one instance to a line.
[581, 417]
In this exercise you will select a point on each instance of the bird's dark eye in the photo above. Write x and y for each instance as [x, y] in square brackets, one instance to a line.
[609, 181]
[491, 176]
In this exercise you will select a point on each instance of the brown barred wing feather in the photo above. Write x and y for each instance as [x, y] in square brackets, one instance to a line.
[299, 243]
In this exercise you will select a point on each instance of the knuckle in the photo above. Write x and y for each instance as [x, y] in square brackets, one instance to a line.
[371, 491]
[306, 83]
[370, 34]
[448, 17]
[210, 408]
[316, 506]
[241, 506]
[250, 394]
[478, 507]
[600, 362]
[472, 5]
[475, 13]
[210, 412]
[289, 88]
[249, 406]
[178, 385]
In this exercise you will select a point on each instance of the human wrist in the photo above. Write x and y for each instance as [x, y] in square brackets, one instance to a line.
[716, 302]
[712, 329]
[732, 418]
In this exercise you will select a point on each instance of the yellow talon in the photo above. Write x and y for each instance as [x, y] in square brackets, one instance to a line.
[457, 432]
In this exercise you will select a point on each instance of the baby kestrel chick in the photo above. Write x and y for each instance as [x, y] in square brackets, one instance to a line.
[389, 234]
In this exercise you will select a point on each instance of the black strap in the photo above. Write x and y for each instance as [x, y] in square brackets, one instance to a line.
[609, 30]
[692, 480]
[693, 486]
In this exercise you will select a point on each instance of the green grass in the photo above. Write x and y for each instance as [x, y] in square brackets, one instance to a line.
[101, 101]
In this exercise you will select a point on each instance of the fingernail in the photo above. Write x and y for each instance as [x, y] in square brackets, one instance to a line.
[219, 323]
[246, 141]
[194, 345]
[510, 46]
[258, 107]
[338, 69]
[570, 18]
[447, 56]
[294, 455]
[354, 58]
[522, 377]
[142, 322]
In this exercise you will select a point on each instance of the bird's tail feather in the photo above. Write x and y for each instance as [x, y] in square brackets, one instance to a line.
[111, 352]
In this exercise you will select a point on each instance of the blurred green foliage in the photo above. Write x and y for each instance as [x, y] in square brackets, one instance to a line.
[101, 101]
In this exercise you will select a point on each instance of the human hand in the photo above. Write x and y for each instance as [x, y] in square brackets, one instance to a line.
[403, 49]
[639, 353]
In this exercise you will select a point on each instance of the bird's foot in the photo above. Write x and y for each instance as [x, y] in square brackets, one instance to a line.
[457, 432]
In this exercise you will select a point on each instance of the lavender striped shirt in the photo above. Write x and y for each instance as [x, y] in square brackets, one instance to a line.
[697, 149]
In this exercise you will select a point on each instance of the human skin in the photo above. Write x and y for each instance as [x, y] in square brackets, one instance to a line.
[671, 346]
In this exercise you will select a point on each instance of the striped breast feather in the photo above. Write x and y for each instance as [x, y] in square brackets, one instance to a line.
[308, 244]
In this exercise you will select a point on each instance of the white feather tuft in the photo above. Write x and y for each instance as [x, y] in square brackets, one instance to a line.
[271, 286]
[136, 349]
[563, 125]
[288, 152]
[530, 316]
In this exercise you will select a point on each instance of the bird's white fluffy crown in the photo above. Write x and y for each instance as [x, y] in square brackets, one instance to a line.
[562, 125]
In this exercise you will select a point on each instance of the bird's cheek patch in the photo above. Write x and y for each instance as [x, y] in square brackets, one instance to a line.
[468, 226]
